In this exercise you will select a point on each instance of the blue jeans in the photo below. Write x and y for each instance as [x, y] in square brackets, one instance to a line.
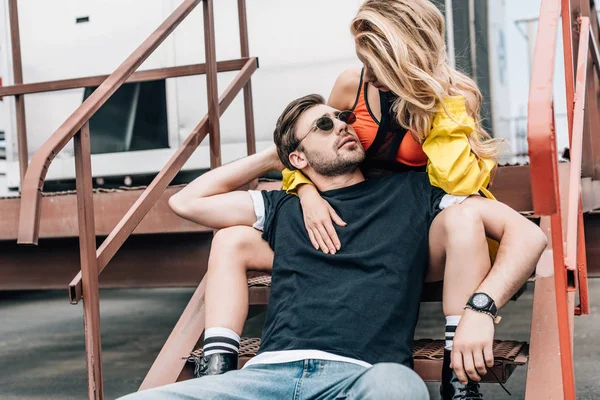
[299, 380]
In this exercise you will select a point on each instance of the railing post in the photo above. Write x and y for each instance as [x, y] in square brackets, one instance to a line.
[544, 367]
[89, 264]
[570, 43]
[211, 84]
[584, 300]
[15, 42]
[248, 107]
[576, 143]
[546, 189]
[591, 156]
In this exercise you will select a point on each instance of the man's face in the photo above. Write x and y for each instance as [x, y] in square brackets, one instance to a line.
[328, 153]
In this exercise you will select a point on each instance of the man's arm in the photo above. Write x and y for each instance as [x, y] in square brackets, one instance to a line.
[521, 245]
[211, 199]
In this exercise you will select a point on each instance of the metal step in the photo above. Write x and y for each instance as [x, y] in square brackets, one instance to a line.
[428, 355]
[259, 286]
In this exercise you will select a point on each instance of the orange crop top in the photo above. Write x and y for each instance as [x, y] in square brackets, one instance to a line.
[366, 126]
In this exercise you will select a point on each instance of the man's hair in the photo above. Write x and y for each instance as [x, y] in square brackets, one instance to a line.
[285, 129]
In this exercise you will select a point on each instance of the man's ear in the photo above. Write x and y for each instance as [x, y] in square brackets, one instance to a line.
[298, 159]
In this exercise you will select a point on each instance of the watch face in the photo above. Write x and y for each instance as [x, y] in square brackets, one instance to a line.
[480, 301]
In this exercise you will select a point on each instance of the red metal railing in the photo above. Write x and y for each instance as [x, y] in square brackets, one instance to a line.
[93, 261]
[544, 170]
[568, 247]
[33, 182]
[15, 42]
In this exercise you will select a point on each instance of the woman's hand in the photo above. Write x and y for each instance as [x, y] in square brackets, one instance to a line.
[318, 218]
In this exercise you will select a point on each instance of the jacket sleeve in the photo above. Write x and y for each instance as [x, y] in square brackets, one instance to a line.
[452, 166]
[292, 179]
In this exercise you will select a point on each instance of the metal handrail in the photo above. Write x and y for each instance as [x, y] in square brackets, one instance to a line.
[77, 127]
[544, 169]
[570, 272]
[144, 203]
[540, 130]
[33, 182]
[138, 76]
[576, 144]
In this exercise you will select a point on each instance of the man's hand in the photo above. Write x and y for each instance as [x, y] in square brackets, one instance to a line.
[276, 164]
[472, 347]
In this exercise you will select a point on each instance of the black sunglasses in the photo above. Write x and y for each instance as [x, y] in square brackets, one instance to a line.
[326, 123]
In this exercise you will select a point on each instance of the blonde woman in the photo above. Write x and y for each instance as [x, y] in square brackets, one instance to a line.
[411, 111]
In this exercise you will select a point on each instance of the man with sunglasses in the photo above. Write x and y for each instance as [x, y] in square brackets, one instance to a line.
[338, 326]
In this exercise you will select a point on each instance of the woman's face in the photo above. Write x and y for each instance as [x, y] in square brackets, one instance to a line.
[370, 77]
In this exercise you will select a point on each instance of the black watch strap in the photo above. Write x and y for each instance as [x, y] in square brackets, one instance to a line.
[483, 303]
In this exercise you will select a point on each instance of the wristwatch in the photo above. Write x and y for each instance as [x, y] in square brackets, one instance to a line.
[483, 303]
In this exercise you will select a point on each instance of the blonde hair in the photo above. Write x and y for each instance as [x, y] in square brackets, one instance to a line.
[402, 42]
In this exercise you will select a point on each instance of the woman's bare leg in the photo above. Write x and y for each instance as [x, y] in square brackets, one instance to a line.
[234, 251]
[458, 254]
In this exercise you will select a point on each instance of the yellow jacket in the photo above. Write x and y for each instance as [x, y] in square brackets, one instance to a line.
[452, 166]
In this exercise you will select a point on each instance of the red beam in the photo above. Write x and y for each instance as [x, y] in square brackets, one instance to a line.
[155, 260]
[59, 219]
[511, 185]
[139, 76]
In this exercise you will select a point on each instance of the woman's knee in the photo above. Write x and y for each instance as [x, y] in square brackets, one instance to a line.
[235, 238]
[393, 381]
[461, 223]
[460, 215]
[243, 246]
[235, 241]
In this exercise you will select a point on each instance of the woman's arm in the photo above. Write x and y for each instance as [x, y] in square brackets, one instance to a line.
[318, 214]
[343, 94]
[452, 166]
[292, 180]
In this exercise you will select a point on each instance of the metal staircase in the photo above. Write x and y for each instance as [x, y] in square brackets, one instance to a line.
[556, 190]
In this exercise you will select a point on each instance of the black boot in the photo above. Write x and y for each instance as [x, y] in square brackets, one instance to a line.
[215, 364]
[452, 389]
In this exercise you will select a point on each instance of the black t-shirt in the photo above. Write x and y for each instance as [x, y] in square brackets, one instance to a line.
[363, 301]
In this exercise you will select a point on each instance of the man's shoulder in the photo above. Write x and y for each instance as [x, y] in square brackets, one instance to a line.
[277, 198]
[278, 207]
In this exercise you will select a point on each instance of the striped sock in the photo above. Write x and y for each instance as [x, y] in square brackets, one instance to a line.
[220, 340]
[451, 324]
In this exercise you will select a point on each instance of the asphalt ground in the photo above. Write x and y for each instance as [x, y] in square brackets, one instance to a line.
[42, 353]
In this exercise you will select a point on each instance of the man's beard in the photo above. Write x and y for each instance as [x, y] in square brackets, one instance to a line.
[343, 164]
